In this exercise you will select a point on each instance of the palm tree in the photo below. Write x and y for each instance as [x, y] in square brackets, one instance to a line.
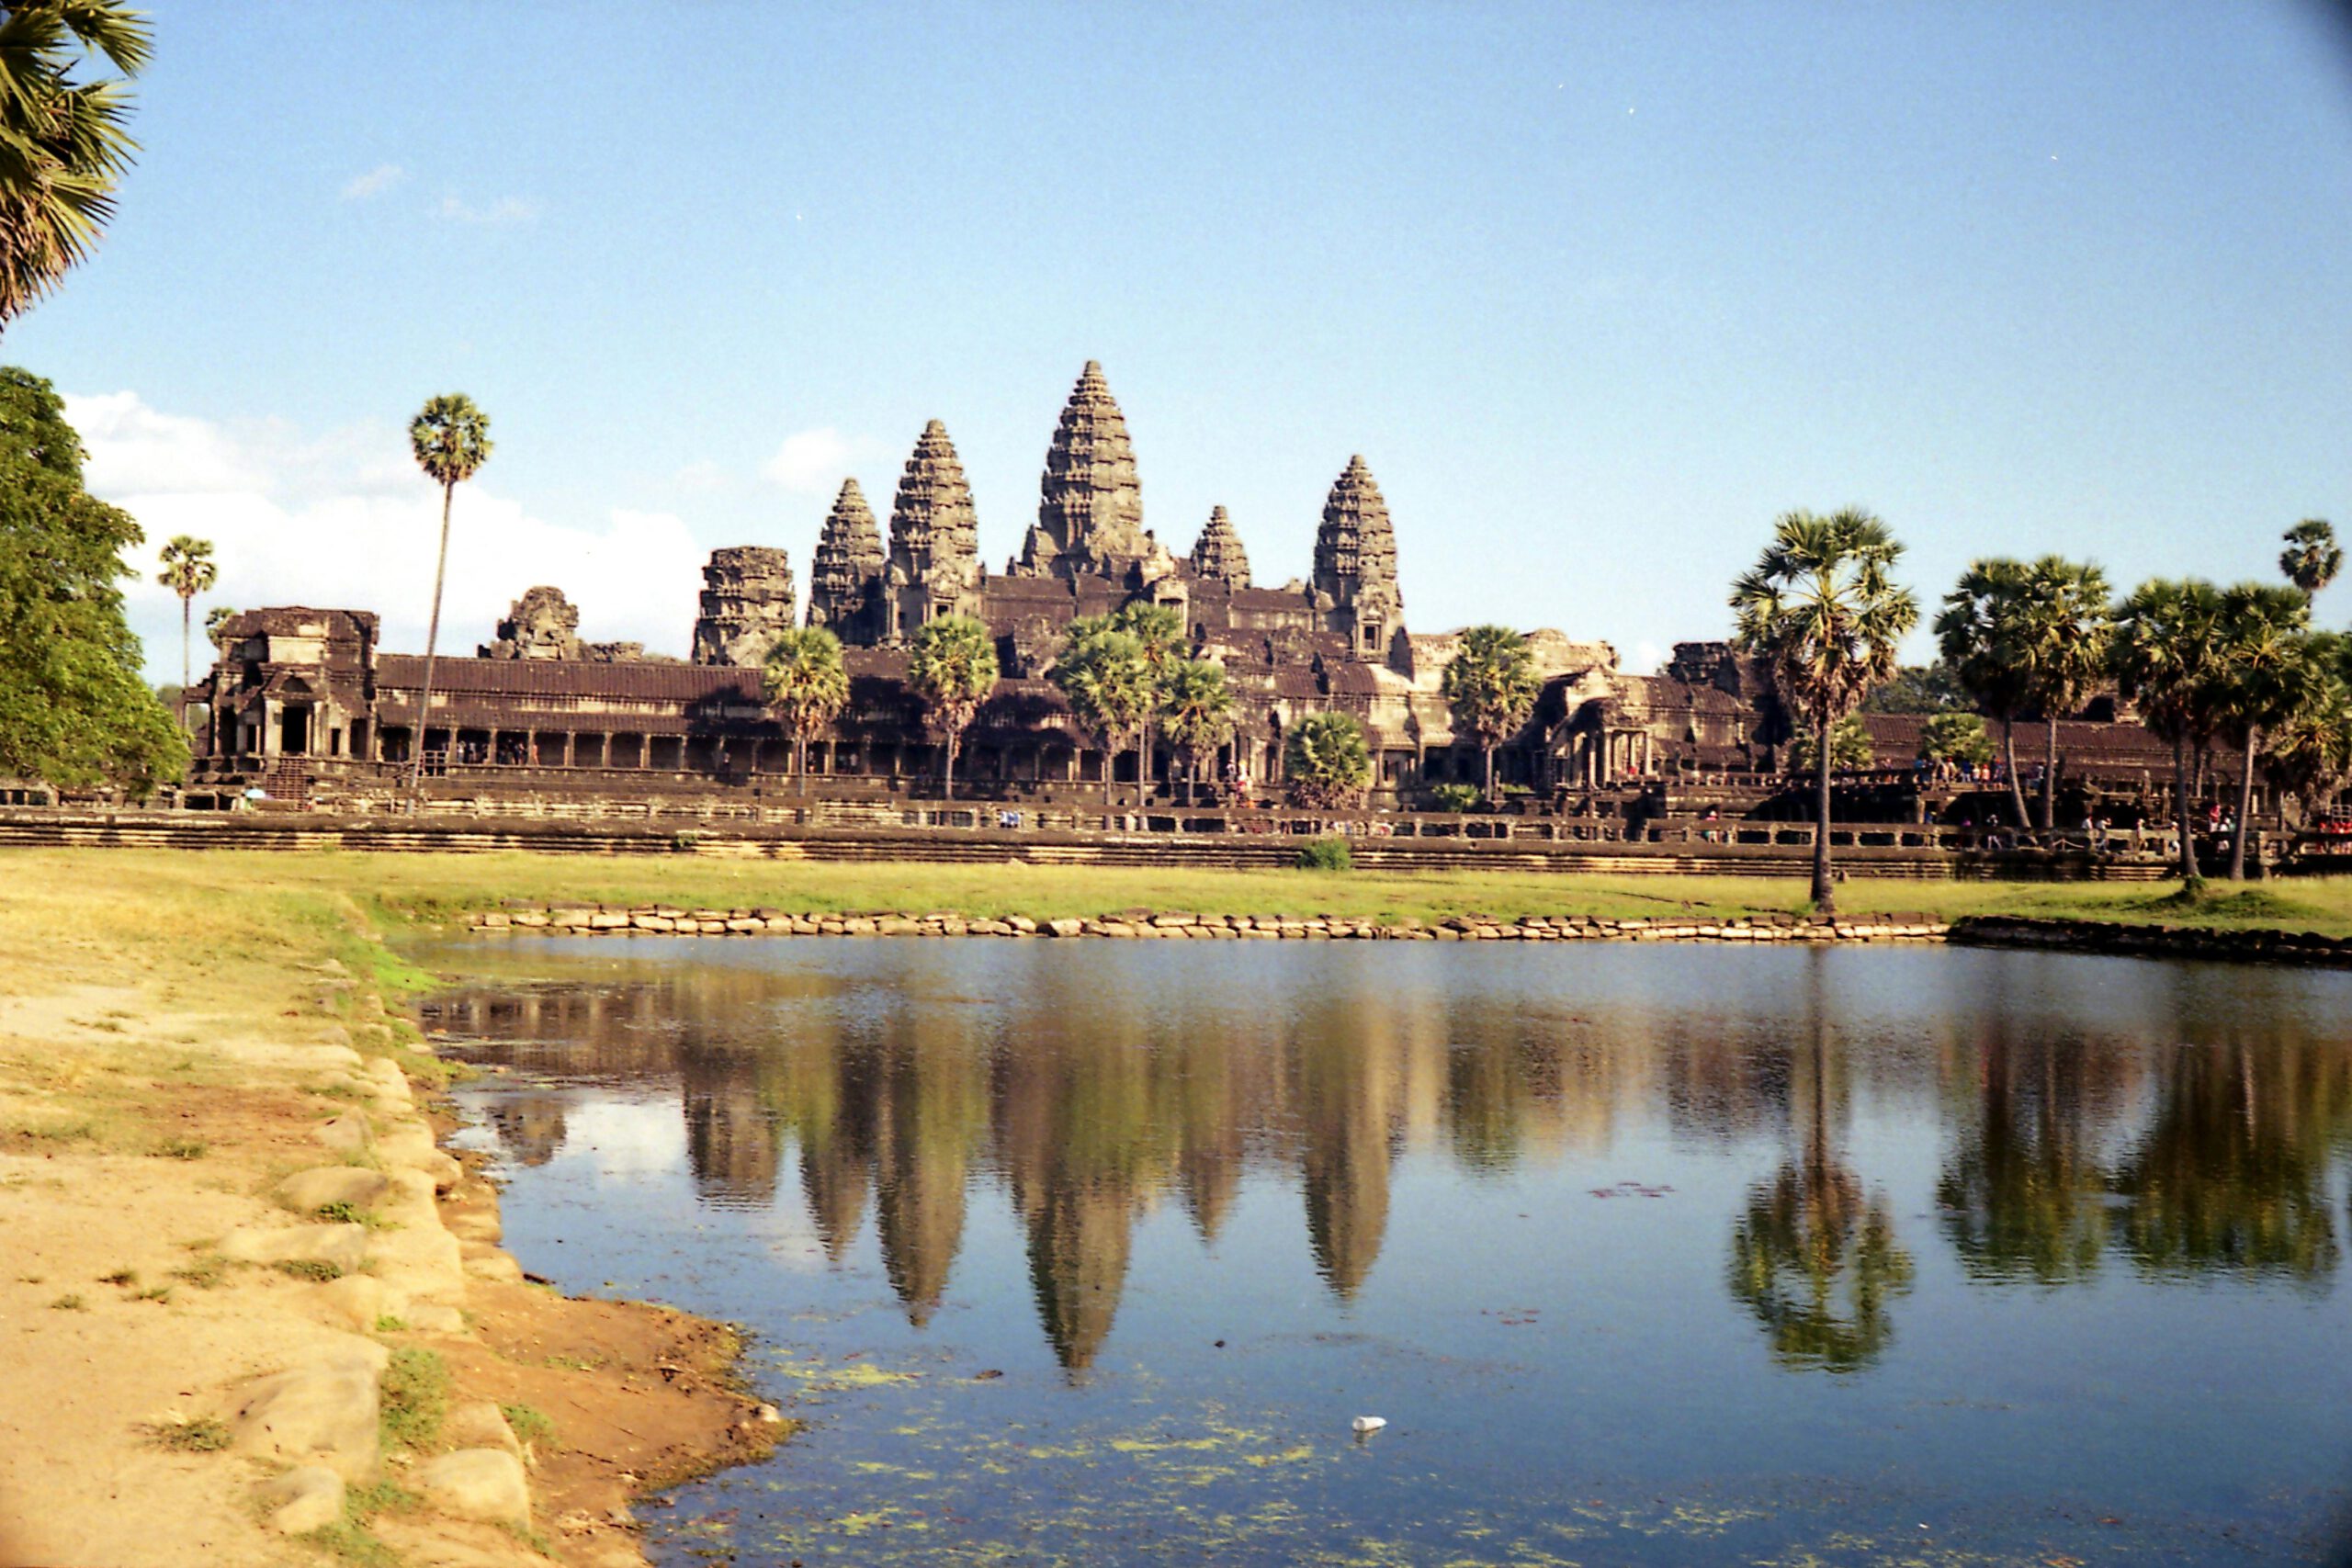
[2308, 755]
[1159, 628]
[2312, 557]
[1325, 760]
[1490, 684]
[805, 681]
[63, 143]
[187, 571]
[1976, 631]
[2067, 624]
[2166, 653]
[2263, 631]
[215, 618]
[1196, 714]
[451, 440]
[1105, 676]
[1819, 605]
[953, 669]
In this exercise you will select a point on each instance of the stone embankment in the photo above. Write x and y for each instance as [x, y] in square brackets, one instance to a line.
[2307, 948]
[661, 919]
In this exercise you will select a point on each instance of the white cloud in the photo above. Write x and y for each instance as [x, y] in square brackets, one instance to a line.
[701, 479]
[1649, 658]
[344, 519]
[375, 182]
[505, 210]
[814, 462]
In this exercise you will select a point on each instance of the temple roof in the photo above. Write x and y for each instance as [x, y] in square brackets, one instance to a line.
[848, 550]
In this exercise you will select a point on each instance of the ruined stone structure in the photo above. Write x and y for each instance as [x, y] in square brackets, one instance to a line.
[747, 603]
[541, 712]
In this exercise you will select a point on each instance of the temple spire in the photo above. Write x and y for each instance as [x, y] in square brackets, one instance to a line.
[1089, 514]
[846, 571]
[935, 565]
[1218, 553]
[1355, 563]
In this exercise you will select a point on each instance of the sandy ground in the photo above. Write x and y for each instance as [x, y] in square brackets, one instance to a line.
[133, 1138]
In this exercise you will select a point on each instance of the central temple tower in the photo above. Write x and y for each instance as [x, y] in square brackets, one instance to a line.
[1355, 564]
[1090, 516]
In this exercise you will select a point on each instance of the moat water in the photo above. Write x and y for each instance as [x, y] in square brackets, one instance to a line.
[1090, 1253]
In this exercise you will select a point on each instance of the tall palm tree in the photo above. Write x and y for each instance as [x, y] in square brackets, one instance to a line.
[1977, 633]
[805, 681]
[187, 571]
[2312, 557]
[1107, 680]
[1196, 714]
[451, 439]
[2067, 625]
[1490, 684]
[1160, 630]
[953, 669]
[2263, 630]
[2167, 654]
[1819, 605]
[64, 144]
[2308, 754]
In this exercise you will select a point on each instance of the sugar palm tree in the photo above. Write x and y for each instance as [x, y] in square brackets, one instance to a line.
[1160, 630]
[2263, 631]
[2312, 557]
[1490, 684]
[2167, 654]
[1819, 606]
[806, 682]
[1977, 632]
[2067, 624]
[953, 669]
[1196, 713]
[450, 438]
[188, 570]
[1104, 673]
[2308, 754]
[1326, 761]
[64, 144]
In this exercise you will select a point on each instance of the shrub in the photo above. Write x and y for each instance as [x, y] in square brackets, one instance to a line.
[317, 1268]
[1326, 854]
[1453, 795]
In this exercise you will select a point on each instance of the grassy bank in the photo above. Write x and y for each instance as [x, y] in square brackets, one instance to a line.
[248, 907]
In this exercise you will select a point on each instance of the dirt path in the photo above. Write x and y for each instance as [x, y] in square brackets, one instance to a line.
[234, 1255]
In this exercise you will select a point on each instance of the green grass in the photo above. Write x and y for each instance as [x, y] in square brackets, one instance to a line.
[415, 1398]
[317, 1268]
[182, 1148]
[530, 1425]
[208, 1271]
[69, 1302]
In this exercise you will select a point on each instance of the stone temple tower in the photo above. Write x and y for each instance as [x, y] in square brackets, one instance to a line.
[746, 601]
[1089, 514]
[935, 564]
[1217, 555]
[845, 575]
[1355, 564]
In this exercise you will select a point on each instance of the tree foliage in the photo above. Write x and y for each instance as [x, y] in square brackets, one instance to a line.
[1820, 606]
[953, 669]
[2312, 558]
[74, 708]
[1850, 747]
[1196, 709]
[1955, 737]
[2268, 678]
[1490, 684]
[1919, 689]
[63, 142]
[450, 439]
[805, 681]
[2167, 654]
[1327, 761]
[1107, 679]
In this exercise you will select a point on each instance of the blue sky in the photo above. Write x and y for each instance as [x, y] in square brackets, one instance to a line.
[1597, 291]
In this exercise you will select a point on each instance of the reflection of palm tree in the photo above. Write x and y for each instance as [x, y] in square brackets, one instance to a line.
[1814, 1260]
[2231, 1175]
[1346, 1067]
[2023, 1195]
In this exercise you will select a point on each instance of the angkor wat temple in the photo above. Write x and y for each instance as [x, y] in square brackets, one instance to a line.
[304, 700]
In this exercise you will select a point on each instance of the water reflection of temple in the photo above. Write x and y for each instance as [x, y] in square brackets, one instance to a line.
[2065, 1145]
